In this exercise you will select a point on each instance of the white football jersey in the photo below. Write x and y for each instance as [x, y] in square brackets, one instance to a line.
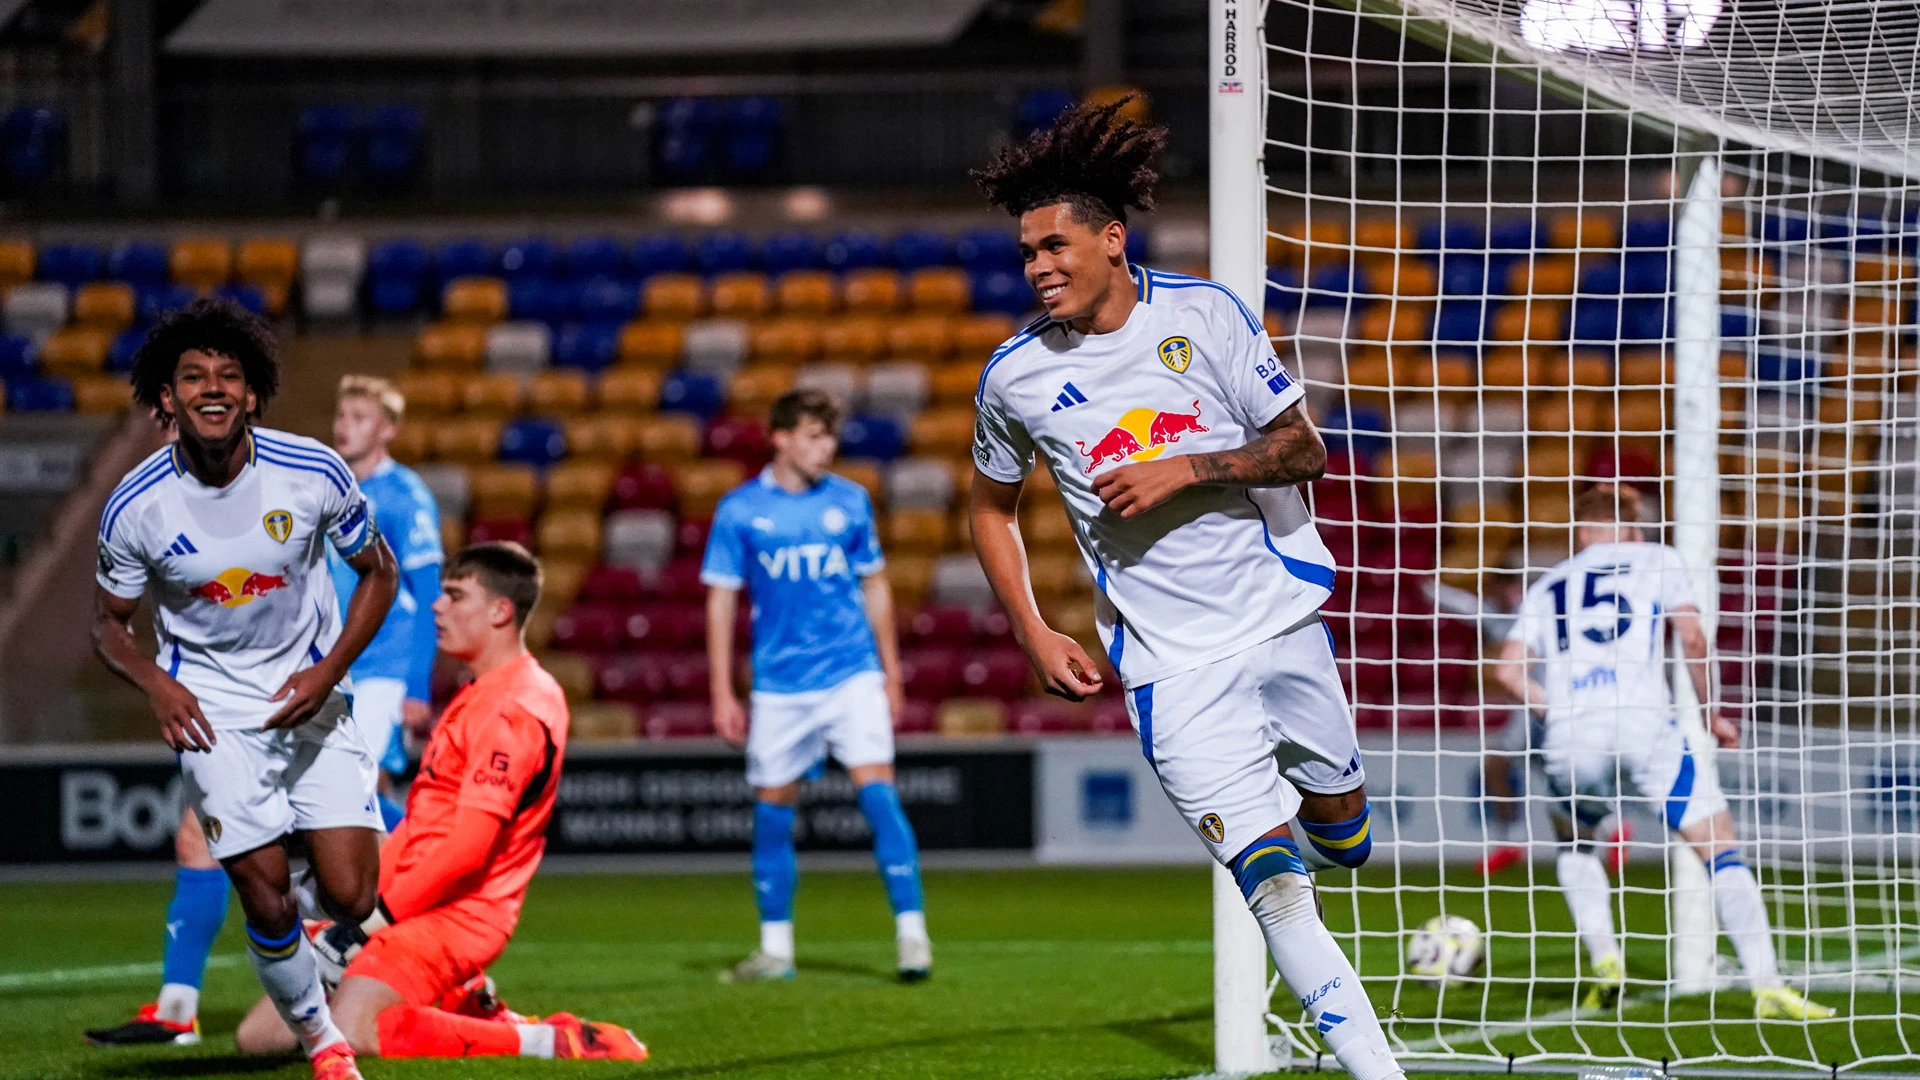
[1214, 570]
[1596, 627]
[241, 593]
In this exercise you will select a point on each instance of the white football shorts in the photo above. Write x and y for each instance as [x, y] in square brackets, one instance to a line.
[1588, 756]
[376, 708]
[788, 734]
[255, 787]
[1235, 741]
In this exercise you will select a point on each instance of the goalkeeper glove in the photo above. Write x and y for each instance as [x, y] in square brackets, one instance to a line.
[337, 943]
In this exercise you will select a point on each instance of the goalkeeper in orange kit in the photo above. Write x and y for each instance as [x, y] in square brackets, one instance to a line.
[454, 874]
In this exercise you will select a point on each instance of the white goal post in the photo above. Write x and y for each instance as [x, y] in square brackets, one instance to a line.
[1517, 247]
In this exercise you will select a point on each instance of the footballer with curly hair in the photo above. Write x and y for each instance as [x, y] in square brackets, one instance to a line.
[1178, 441]
[227, 528]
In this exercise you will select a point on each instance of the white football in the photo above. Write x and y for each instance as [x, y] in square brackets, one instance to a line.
[1445, 947]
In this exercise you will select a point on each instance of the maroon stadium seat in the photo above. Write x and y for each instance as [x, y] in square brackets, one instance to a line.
[1045, 716]
[518, 530]
[686, 674]
[643, 485]
[1003, 673]
[1109, 716]
[939, 626]
[916, 719]
[678, 580]
[638, 677]
[929, 674]
[613, 585]
[663, 626]
[677, 720]
[690, 536]
[587, 627]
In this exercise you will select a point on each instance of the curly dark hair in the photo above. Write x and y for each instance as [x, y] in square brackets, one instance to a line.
[1092, 159]
[210, 325]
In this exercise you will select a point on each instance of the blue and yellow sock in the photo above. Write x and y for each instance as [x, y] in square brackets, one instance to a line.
[194, 917]
[895, 851]
[1267, 857]
[1347, 843]
[776, 872]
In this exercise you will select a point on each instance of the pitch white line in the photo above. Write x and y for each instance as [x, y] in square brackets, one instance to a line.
[36, 980]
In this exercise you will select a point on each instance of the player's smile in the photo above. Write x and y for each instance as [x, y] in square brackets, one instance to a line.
[209, 396]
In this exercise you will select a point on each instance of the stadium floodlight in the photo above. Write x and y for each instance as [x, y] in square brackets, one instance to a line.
[1515, 247]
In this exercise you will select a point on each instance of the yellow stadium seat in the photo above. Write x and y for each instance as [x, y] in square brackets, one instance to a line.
[962, 718]
[604, 721]
[453, 536]
[1381, 240]
[1296, 242]
[866, 474]
[504, 491]
[1541, 275]
[1587, 230]
[743, 294]
[1589, 369]
[581, 485]
[1530, 320]
[568, 534]
[939, 432]
[1644, 367]
[16, 263]
[269, 264]
[1367, 368]
[975, 337]
[414, 442]
[1392, 322]
[108, 305]
[652, 342]
[1412, 368]
[924, 531]
[668, 437]
[1642, 411]
[467, 440]
[96, 393]
[430, 393]
[1044, 525]
[1055, 574]
[1408, 278]
[674, 297]
[75, 350]
[940, 289]
[203, 262]
[853, 340]
[1134, 110]
[562, 579]
[605, 437]
[787, 341]
[808, 292]
[699, 485]
[629, 390]
[451, 347]
[558, 393]
[494, 395]
[872, 291]
[920, 337]
[755, 388]
[572, 671]
[1453, 373]
[911, 576]
[955, 382]
[1888, 271]
[1509, 367]
[481, 301]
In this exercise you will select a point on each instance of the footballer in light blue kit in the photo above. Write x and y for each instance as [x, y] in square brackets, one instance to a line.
[826, 674]
[392, 679]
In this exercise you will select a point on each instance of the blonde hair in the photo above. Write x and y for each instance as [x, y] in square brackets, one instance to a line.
[1611, 504]
[393, 404]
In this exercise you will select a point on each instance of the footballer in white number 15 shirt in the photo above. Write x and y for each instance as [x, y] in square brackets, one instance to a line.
[1176, 440]
[227, 528]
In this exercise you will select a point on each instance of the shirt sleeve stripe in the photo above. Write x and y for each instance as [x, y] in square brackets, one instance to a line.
[1004, 351]
[287, 463]
[318, 457]
[128, 490]
[106, 526]
[1166, 281]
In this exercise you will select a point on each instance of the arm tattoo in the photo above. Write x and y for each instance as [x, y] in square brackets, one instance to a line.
[1288, 452]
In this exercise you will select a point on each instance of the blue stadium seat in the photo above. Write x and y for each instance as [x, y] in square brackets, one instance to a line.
[1649, 232]
[753, 130]
[1360, 431]
[917, 249]
[596, 256]
[1003, 292]
[590, 346]
[533, 441]
[1735, 323]
[875, 437]
[790, 251]
[1038, 109]
[660, 255]
[35, 139]
[606, 299]
[724, 252]
[1644, 318]
[245, 295]
[1461, 322]
[44, 394]
[1773, 366]
[687, 129]
[1644, 272]
[1284, 292]
[980, 250]
[1517, 234]
[1450, 236]
[395, 138]
[323, 141]
[854, 251]
[395, 273]
[1137, 246]
[18, 357]
[1335, 286]
[532, 257]
[1601, 279]
[138, 264]
[72, 265]
[465, 258]
[695, 392]
[1463, 273]
[120, 353]
[159, 300]
[541, 299]
[1596, 320]
[1870, 233]
[1784, 228]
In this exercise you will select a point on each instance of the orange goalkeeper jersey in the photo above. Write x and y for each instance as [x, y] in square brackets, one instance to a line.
[498, 748]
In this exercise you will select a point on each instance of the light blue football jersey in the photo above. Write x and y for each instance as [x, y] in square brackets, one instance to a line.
[800, 558]
[409, 518]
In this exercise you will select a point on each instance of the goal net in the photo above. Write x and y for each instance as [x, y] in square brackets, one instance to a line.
[1519, 247]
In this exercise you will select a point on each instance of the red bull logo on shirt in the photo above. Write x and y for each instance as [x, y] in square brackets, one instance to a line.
[238, 586]
[1141, 435]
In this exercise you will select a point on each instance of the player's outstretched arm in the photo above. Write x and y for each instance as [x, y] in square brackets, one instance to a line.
[1693, 649]
[1064, 668]
[877, 592]
[729, 716]
[1289, 451]
[306, 690]
[182, 724]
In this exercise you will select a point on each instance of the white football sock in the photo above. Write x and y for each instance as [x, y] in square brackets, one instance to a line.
[1320, 976]
[776, 939]
[536, 1040]
[1583, 882]
[1743, 915]
[909, 924]
[179, 1003]
[292, 983]
[1309, 857]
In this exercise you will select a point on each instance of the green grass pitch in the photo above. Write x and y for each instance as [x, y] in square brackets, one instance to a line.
[1052, 973]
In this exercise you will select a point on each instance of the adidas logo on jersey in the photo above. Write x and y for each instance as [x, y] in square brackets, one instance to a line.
[181, 546]
[809, 561]
[1070, 396]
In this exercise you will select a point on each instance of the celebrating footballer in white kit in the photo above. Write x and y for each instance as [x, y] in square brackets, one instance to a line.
[1176, 440]
[1595, 630]
[227, 529]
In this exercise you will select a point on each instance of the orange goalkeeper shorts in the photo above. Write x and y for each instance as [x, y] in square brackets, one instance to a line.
[429, 954]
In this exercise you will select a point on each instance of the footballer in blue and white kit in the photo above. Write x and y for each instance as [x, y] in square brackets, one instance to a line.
[394, 674]
[800, 542]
